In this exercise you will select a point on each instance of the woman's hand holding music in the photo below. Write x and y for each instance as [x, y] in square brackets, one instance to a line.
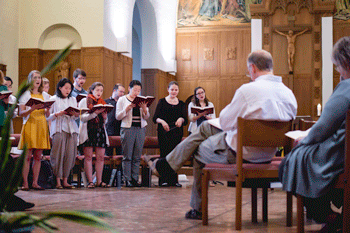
[179, 122]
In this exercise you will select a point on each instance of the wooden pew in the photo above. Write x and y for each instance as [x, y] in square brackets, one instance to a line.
[115, 161]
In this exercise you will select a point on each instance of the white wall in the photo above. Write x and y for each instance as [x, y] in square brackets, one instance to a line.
[59, 36]
[85, 16]
[158, 19]
[9, 38]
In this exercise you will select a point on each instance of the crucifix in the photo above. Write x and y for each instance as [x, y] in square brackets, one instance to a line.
[291, 45]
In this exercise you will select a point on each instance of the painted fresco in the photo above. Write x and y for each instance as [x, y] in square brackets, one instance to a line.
[343, 9]
[214, 12]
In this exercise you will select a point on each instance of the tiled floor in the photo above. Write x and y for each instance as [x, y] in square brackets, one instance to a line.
[160, 209]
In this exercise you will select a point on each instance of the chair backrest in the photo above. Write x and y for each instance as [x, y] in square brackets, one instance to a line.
[305, 124]
[261, 133]
[296, 122]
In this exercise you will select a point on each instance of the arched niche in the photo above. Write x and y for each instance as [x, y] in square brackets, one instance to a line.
[58, 36]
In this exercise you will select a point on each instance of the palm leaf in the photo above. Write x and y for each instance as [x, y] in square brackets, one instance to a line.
[10, 174]
[81, 217]
[60, 56]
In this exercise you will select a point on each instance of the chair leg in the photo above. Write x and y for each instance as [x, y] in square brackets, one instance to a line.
[300, 214]
[264, 204]
[205, 185]
[238, 204]
[80, 169]
[254, 205]
[289, 209]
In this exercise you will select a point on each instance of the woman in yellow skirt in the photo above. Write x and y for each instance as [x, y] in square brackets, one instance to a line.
[35, 131]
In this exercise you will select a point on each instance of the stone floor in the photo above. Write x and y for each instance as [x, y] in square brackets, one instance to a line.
[160, 209]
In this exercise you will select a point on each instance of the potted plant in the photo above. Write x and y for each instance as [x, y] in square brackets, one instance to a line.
[11, 175]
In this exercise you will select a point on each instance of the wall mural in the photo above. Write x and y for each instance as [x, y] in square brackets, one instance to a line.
[343, 9]
[214, 12]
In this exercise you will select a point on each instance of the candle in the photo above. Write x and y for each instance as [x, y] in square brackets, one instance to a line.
[319, 108]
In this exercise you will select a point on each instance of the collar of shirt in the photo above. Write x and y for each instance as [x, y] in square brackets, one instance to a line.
[269, 77]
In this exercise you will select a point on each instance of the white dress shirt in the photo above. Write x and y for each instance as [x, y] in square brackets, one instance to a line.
[267, 98]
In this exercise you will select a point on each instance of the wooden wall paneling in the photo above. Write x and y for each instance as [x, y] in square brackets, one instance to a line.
[279, 18]
[118, 71]
[208, 53]
[186, 88]
[245, 51]
[74, 59]
[108, 73]
[29, 59]
[149, 87]
[92, 64]
[127, 69]
[303, 94]
[231, 46]
[227, 89]
[186, 53]
[47, 56]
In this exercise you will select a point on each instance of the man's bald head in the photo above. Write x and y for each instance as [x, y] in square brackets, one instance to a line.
[261, 59]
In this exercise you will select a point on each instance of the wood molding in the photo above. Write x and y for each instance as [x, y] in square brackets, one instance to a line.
[100, 63]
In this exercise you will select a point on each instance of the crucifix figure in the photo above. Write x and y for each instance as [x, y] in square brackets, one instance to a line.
[291, 46]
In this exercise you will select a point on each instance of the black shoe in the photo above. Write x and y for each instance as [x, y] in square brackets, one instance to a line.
[194, 214]
[334, 224]
[164, 184]
[135, 183]
[178, 185]
[18, 204]
[128, 184]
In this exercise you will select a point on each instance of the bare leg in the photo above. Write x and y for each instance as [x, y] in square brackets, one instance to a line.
[26, 167]
[88, 163]
[100, 152]
[58, 182]
[36, 167]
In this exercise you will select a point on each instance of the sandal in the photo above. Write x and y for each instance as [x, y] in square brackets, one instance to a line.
[91, 185]
[103, 185]
[25, 188]
[152, 165]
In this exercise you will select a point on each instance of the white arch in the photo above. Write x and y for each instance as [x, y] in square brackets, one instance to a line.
[58, 36]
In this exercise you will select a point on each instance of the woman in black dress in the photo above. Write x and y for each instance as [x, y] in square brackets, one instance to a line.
[171, 116]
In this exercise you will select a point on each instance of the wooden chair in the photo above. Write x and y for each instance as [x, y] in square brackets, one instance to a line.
[341, 183]
[296, 122]
[306, 124]
[254, 133]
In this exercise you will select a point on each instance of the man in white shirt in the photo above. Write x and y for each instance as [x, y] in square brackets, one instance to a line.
[266, 98]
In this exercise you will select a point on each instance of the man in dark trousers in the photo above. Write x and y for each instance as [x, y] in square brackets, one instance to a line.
[113, 125]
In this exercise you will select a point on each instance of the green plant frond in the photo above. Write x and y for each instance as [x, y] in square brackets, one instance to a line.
[45, 227]
[9, 218]
[80, 217]
[99, 214]
[5, 145]
[61, 55]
